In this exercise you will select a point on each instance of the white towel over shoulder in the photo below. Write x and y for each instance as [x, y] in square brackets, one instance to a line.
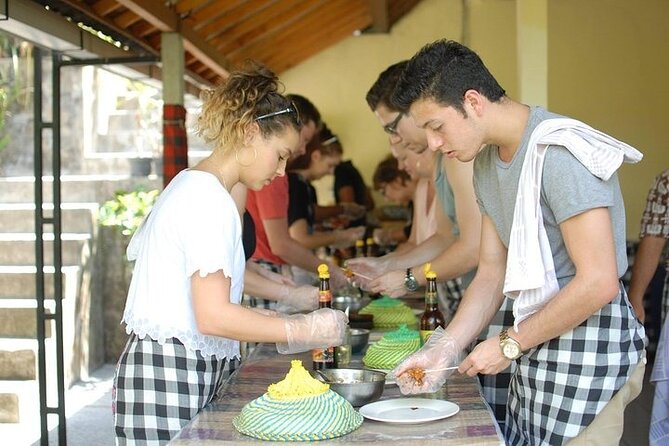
[530, 272]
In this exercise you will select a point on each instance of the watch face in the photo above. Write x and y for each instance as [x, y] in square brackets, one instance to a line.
[510, 350]
[411, 284]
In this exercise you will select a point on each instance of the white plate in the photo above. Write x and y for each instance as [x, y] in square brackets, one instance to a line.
[409, 410]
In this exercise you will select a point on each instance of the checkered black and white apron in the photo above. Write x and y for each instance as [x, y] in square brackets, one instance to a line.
[561, 385]
[259, 302]
[496, 387]
[158, 389]
[450, 294]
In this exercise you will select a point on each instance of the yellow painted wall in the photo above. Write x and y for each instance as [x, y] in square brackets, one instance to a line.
[607, 65]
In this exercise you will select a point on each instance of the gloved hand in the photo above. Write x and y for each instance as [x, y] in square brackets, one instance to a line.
[295, 300]
[319, 329]
[353, 210]
[347, 237]
[440, 351]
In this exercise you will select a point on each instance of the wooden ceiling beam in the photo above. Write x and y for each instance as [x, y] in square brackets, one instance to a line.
[168, 20]
[246, 10]
[105, 7]
[380, 15]
[265, 23]
[324, 36]
[127, 19]
[323, 28]
[210, 12]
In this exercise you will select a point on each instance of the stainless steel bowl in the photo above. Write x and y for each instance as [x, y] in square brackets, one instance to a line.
[353, 303]
[356, 386]
[359, 339]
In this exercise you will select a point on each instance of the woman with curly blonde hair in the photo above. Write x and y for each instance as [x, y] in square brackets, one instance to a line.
[182, 312]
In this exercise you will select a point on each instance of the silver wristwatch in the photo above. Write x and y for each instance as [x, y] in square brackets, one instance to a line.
[410, 282]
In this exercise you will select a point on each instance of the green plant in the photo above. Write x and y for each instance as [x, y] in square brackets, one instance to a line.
[127, 209]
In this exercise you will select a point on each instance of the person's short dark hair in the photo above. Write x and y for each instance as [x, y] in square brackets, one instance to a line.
[308, 111]
[388, 171]
[443, 71]
[382, 90]
[325, 142]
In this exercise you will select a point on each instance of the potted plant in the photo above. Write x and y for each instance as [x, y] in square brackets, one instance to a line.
[127, 209]
[118, 219]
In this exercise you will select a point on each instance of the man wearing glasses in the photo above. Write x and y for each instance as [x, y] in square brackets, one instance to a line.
[453, 250]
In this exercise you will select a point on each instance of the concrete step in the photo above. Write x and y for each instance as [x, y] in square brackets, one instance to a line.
[18, 359]
[19, 400]
[75, 217]
[18, 318]
[19, 248]
[74, 188]
[18, 282]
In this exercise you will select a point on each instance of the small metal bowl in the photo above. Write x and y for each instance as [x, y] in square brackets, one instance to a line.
[359, 339]
[351, 302]
[356, 386]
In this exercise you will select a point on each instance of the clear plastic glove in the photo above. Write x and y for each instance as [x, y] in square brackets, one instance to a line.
[440, 351]
[347, 237]
[296, 300]
[353, 210]
[319, 329]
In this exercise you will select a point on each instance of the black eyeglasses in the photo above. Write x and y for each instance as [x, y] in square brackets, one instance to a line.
[290, 109]
[391, 127]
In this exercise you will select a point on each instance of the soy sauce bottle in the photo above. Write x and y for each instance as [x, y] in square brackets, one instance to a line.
[432, 317]
[323, 358]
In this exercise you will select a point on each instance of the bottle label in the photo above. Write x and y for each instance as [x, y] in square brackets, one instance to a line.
[325, 296]
[425, 335]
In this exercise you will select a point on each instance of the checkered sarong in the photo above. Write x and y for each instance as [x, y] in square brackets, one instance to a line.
[158, 389]
[496, 387]
[259, 302]
[450, 293]
[561, 385]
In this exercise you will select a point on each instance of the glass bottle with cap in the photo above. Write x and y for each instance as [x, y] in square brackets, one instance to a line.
[432, 317]
[323, 358]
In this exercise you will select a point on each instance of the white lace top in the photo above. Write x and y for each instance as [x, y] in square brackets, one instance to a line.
[194, 226]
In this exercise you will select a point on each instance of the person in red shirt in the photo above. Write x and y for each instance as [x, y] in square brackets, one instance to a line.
[276, 250]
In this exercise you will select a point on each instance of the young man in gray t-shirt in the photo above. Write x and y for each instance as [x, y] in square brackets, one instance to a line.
[580, 356]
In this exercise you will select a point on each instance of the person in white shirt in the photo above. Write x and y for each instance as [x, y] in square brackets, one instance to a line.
[182, 312]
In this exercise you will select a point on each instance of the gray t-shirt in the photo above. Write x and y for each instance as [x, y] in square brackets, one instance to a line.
[567, 189]
[447, 201]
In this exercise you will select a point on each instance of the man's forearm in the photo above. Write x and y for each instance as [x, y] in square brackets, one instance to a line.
[419, 254]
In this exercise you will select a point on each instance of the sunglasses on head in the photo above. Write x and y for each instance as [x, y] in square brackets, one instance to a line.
[391, 127]
[290, 109]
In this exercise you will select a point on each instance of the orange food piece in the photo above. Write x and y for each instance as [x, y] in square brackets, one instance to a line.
[417, 374]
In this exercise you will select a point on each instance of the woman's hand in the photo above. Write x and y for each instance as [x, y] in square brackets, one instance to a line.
[319, 329]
